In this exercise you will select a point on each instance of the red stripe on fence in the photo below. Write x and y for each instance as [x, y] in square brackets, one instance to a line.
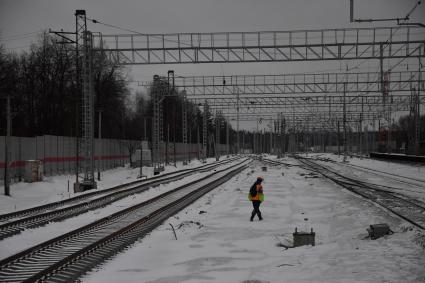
[14, 164]
[21, 163]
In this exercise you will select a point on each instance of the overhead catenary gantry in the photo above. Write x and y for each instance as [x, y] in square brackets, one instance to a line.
[274, 46]
[302, 92]
[331, 83]
[264, 46]
[236, 47]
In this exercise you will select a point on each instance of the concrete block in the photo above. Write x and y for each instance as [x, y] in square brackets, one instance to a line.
[378, 230]
[304, 238]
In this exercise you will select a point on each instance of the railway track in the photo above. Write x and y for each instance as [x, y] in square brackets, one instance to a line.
[406, 208]
[416, 187]
[59, 211]
[65, 258]
[396, 177]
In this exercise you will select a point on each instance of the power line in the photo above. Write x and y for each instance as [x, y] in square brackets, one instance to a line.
[114, 26]
[18, 36]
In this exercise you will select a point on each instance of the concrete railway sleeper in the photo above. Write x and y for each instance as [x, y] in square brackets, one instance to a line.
[80, 250]
[53, 205]
[15, 227]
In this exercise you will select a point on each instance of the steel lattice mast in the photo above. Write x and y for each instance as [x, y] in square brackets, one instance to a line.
[205, 131]
[184, 128]
[84, 43]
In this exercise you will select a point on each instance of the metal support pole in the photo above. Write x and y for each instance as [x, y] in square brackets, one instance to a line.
[271, 141]
[205, 132]
[186, 158]
[344, 121]
[283, 127]
[99, 161]
[417, 109]
[243, 142]
[198, 141]
[145, 128]
[366, 139]
[174, 143]
[156, 124]
[389, 147]
[7, 149]
[359, 137]
[88, 114]
[372, 146]
[227, 138]
[253, 142]
[189, 157]
[84, 43]
[217, 136]
[167, 145]
[361, 128]
[237, 121]
[338, 138]
[80, 27]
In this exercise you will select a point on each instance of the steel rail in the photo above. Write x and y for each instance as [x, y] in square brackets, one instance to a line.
[53, 205]
[408, 209]
[395, 177]
[66, 257]
[15, 227]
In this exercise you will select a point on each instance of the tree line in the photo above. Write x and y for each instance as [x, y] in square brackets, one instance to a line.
[45, 99]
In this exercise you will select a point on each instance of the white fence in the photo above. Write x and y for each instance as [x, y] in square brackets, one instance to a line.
[58, 153]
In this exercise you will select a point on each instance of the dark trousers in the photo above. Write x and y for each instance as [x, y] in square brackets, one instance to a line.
[256, 205]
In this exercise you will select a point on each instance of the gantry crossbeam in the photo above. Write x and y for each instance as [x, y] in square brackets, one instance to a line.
[305, 120]
[265, 46]
[293, 101]
[368, 82]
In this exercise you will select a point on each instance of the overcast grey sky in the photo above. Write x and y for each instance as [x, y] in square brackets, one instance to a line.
[19, 19]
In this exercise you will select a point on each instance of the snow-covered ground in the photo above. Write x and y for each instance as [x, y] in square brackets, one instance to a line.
[406, 169]
[34, 236]
[382, 173]
[217, 243]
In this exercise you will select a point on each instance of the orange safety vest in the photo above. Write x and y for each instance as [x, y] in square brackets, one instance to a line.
[259, 196]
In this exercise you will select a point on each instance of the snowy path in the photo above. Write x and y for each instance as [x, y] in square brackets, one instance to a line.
[221, 245]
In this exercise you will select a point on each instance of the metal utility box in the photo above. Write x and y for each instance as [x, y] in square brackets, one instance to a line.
[33, 171]
[264, 168]
[158, 170]
[304, 238]
[378, 230]
[146, 156]
[84, 186]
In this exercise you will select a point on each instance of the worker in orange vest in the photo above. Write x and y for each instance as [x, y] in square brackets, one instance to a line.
[256, 195]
